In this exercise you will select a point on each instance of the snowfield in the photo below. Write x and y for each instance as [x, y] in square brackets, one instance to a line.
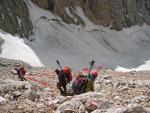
[75, 46]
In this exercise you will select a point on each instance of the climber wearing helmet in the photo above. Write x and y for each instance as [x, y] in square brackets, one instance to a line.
[64, 77]
[67, 73]
[20, 71]
[90, 83]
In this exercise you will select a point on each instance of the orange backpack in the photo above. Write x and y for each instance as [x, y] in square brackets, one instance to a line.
[67, 73]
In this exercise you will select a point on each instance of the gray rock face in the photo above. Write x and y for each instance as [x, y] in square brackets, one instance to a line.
[46, 4]
[1, 43]
[117, 14]
[14, 15]
[14, 18]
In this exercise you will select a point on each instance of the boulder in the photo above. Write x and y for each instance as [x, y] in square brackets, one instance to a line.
[84, 102]
[8, 85]
[91, 105]
[140, 99]
[104, 105]
[131, 108]
[2, 100]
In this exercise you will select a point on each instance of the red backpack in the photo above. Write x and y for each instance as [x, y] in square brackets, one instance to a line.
[22, 71]
[79, 84]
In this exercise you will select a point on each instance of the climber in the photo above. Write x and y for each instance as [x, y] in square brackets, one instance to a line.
[79, 84]
[90, 83]
[20, 71]
[64, 77]
[84, 83]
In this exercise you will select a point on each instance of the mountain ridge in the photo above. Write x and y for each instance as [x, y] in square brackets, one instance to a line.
[117, 15]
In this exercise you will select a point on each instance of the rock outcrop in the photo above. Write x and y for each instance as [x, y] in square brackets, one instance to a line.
[14, 18]
[1, 43]
[117, 14]
[14, 15]
[45, 4]
[87, 102]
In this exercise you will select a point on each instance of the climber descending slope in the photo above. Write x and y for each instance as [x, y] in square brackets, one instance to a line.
[85, 83]
[64, 77]
[82, 83]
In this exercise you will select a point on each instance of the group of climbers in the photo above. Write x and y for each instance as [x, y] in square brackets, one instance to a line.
[81, 84]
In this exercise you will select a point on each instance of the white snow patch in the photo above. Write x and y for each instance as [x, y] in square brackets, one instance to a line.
[19, 21]
[143, 67]
[15, 48]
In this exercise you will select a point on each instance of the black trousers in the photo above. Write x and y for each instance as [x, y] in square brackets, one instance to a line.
[62, 88]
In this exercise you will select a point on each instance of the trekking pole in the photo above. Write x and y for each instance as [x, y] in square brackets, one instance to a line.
[59, 64]
[91, 66]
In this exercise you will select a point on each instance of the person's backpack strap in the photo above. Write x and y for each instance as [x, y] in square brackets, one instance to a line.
[84, 86]
[70, 76]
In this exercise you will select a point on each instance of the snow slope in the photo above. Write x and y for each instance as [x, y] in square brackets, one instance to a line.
[15, 48]
[76, 45]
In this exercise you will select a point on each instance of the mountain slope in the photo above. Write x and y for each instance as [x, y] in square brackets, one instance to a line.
[14, 18]
[76, 45]
[117, 14]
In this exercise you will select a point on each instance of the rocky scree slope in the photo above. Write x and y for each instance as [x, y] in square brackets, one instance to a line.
[115, 92]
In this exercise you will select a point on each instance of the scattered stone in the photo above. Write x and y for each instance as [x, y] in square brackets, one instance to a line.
[131, 108]
[108, 77]
[140, 99]
[7, 96]
[82, 109]
[2, 100]
[117, 98]
[33, 96]
[108, 82]
[16, 93]
[132, 72]
[104, 105]
[91, 105]
[99, 111]
[68, 111]
[60, 99]
[125, 88]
